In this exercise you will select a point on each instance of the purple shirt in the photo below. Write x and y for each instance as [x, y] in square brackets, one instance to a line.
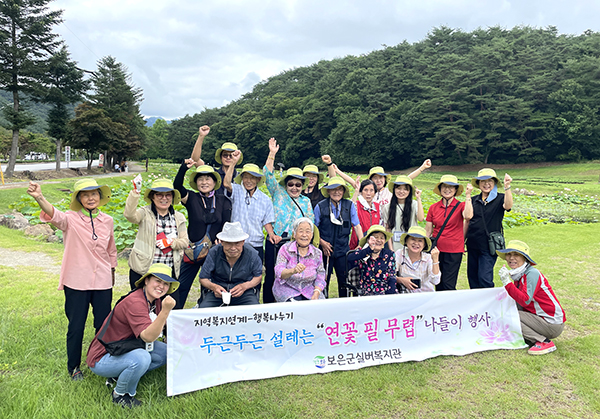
[303, 283]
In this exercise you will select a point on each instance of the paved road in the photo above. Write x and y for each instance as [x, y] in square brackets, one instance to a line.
[34, 167]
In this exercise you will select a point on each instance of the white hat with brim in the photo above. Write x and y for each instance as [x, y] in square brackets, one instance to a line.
[232, 233]
[162, 272]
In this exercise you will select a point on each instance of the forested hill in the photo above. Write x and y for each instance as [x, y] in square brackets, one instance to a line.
[489, 96]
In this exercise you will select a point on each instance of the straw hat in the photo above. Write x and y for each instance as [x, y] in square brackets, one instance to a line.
[419, 233]
[333, 183]
[484, 174]
[294, 172]
[204, 170]
[253, 170]
[448, 180]
[162, 185]
[88, 185]
[162, 272]
[376, 228]
[228, 147]
[311, 168]
[401, 180]
[516, 246]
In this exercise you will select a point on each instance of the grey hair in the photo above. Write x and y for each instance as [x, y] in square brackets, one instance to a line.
[301, 220]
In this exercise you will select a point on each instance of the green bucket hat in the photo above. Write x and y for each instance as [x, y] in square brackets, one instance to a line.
[228, 147]
[484, 174]
[448, 180]
[89, 185]
[375, 228]
[311, 168]
[401, 180]
[333, 183]
[204, 170]
[516, 246]
[162, 272]
[253, 170]
[295, 172]
[418, 232]
[162, 185]
[378, 170]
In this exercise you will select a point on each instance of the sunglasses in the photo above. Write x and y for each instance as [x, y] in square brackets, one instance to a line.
[294, 185]
[226, 155]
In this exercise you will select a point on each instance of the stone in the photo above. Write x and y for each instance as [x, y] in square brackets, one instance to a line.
[15, 221]
[54, 239]
[124, 254]
[38, 230]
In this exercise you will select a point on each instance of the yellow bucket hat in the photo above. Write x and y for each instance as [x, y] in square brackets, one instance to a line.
[333, 183]
[516, 246]
[204, 170]
[376, 228]
[162, 272]
[295, 172]
[252, 169]
[484, 174]
[162, 185]
[418, 232]
[88, 185]
[378, 170]
[401, 180]
[311, 168]
[228, 147]
[448, 180]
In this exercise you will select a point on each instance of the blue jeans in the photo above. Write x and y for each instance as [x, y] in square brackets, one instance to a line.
[130, 367]
[480, 268]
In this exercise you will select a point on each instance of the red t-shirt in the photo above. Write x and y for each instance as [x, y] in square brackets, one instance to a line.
[131, 317]
[452, 239]
[367, 219]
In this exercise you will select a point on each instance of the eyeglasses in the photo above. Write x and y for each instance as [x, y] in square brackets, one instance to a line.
[226, 155]
[294, 185]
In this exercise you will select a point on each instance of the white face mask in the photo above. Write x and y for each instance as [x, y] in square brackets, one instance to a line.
[334, 220]
[517, 273]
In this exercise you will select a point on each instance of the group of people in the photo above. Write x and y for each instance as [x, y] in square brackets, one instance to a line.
[308, 231]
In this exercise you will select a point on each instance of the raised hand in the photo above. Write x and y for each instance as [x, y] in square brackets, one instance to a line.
[203, 130]
[35, 190]
[273, 146]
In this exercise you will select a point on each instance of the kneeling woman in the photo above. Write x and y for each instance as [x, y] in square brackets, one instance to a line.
[140, 314]
[377, 263]
[418, 271]
[542, 316]
[299, 272]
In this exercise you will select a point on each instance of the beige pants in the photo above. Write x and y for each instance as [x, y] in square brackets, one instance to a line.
[536, 329]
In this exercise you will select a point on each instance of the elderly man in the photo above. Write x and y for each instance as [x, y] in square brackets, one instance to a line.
[231, 270]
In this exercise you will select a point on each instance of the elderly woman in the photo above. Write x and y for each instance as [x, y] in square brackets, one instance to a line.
[89, 260]
[377, 263]
[289, 204]
[299, 272]
[207, 213]
[488, 213]
[140, 314]
[418, 271]
[445, 220]
[162, 234]
[402, 212]
[312, 191]
[542, 316]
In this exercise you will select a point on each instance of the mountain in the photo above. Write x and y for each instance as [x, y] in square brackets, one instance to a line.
[152, 119]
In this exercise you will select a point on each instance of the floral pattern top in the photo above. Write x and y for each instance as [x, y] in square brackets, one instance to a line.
[377, 276]
[303, 283]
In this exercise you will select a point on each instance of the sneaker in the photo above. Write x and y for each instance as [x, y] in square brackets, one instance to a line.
[125, 400]
[76, 374]
[542, 348]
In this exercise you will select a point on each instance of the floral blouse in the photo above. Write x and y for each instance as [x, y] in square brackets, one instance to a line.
[303, 283]
[377, 276]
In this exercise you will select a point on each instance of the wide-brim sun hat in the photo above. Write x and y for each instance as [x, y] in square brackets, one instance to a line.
[162, 185]
[228, 147]
[333, 183]
[484, 174]
[204, 170]
[375, 228]
[516, 246]
[448, 180]
[232, 233]
[312, 169]
[88, 185]
[378, 170]
[294, 172]
[419, 233]
[401, 180]
[253, 170]
[162, 272]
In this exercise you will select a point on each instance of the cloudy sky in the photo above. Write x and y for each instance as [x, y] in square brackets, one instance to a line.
[188, 55]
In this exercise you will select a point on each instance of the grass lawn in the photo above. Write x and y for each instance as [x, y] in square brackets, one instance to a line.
[495, 384]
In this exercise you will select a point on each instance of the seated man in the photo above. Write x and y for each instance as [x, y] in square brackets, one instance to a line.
[231, 270]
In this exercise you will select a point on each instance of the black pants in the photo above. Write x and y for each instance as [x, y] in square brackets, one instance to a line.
[449, 267]
[339, 264]
[77, 305]
[270, 259]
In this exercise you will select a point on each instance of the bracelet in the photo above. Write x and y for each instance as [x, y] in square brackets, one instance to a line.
[272, 158]
[508, 189]
[329, 164]
[435, 263]
[318, 290]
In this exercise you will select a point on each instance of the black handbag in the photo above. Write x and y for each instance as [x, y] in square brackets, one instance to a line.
[120, 347]
[495, 238]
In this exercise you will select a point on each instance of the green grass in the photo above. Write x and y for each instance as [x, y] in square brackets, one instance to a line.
[506, 384]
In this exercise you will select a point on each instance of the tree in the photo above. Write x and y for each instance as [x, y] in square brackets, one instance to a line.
[26, 43]
[65, 86]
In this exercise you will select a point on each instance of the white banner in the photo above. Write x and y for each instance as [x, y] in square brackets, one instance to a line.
[208, 347]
